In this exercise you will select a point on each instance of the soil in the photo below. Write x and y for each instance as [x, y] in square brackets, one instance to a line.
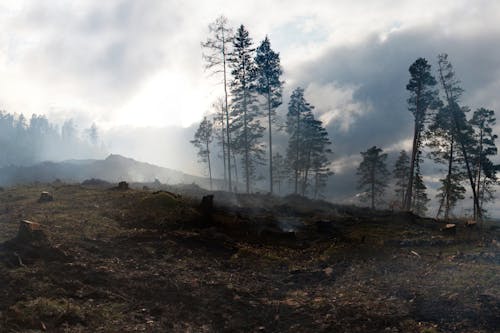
[143, 261]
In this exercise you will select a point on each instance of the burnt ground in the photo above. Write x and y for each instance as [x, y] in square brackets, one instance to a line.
[144, 261]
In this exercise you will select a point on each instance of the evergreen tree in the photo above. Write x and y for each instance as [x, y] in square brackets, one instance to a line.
[280, 170]
[246, 126]
[315, 153]
[217, 47]
[270, 86]
[401, 175]
[298, 109]
[483, 121]
[419, 199]
[219, 127]
[461, 129]
[373, 173]
[444, 150]
[423, 97]
[202, 139]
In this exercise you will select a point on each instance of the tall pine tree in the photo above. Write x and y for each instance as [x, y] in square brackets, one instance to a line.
[217, 48]
[245, 114]
[270, 86]
[401, 174]
[423, 96]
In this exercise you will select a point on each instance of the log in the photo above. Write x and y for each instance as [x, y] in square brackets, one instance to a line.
[449, 228]
[470, 223]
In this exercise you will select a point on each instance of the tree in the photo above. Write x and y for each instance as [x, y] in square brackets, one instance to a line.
[217, 47]
[423, 96]
[219, 125]
[280, 170]
[373, 173]
[202, 139]
[401, 174]
[246, 126]
[462, 129]
[444, 150]
[419, 199]
[270, 86]
[483, 121]
[315, 151]
[298, 108]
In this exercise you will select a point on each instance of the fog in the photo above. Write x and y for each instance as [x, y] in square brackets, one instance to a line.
[136, 72]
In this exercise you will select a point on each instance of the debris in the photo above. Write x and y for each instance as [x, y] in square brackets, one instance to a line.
[45, 197]
[415, 253]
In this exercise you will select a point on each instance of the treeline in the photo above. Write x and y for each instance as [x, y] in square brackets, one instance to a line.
[446, 132]
[245, 118]
[27, 141]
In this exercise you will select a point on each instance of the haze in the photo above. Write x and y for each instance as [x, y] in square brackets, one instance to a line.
[135, 68]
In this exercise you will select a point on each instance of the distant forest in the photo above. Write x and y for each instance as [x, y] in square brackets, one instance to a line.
[244, 120]
[28, 141]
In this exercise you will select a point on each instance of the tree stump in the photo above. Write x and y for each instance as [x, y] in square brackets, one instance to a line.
[30, 232]
[45, 197]
[123, 186]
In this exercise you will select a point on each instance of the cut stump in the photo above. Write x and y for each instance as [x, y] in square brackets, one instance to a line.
[45, 197]
[30, 232]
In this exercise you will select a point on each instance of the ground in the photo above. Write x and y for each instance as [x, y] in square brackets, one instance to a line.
[138, 260]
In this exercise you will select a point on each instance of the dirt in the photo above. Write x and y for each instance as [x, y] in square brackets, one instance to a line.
[142, 261]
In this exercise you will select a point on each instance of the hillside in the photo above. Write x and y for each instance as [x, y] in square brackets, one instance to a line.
[112, 169]
[138, 260]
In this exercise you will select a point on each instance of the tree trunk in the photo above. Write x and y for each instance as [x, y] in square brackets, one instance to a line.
[448, 180]
[416, 136]
[297, 146]
[209, 167]
[270, 141]
[227, 113]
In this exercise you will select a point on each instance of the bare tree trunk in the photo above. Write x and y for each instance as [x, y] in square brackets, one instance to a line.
[270, 142]
[209, 167]
[416, 137]
[227, 113]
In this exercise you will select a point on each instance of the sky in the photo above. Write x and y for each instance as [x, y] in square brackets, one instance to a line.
[135, 68]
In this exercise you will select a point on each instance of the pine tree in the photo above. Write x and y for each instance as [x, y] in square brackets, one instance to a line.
[219, 125]
[298, 109]
[202, 139]
[315, 153]
[483, 121]
[270, 86]
[217, 47]
[462, 131]
[423, 97]
[442, 141]
[401, 175]
[280, 170]
[246, 126]
[373, 173]
[419, 199]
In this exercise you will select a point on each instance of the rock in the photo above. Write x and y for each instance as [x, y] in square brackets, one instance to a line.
[45, 197]
[30, 232]
[123, 186]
